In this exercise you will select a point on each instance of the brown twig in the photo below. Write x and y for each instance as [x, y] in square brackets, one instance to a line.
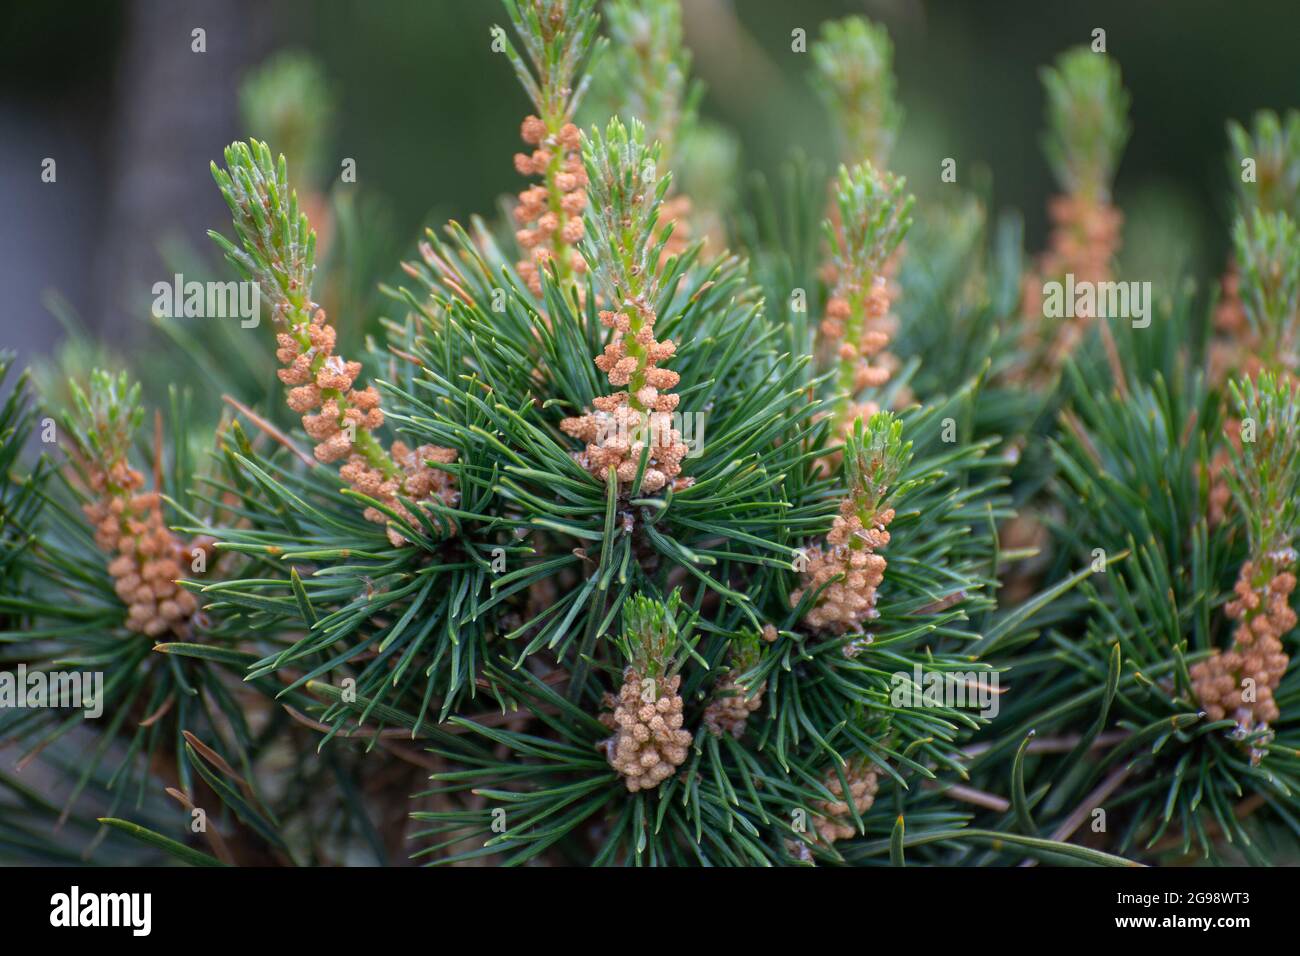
[1080, 813]
[218, 761]
[1112, 359]
[489, 719]
[1056, 745]
[160, 713]
[268, 429]
[980, 798]
[210, 833]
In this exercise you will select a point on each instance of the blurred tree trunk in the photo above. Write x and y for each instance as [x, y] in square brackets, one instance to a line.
[174, 110]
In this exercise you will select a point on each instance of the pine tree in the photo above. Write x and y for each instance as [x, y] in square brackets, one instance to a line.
[643, 533]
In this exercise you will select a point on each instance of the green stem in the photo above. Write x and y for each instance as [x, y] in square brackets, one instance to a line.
[636, 320]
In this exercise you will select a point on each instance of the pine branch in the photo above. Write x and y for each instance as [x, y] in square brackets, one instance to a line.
[1087, 122]
[854, 73]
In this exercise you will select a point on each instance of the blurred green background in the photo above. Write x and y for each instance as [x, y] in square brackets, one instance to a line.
[114, 91]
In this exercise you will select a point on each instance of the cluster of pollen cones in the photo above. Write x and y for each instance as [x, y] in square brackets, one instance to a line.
[549, 213]
[621, 425]
[846, 605]
[334, 413]
[873, 365]
[148, 558]
[649, 743]
[834, 822]
[675, 212]
[1236, 345]
[1084, 240]
[1239, 683]
[728, 712]
[419, 481]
